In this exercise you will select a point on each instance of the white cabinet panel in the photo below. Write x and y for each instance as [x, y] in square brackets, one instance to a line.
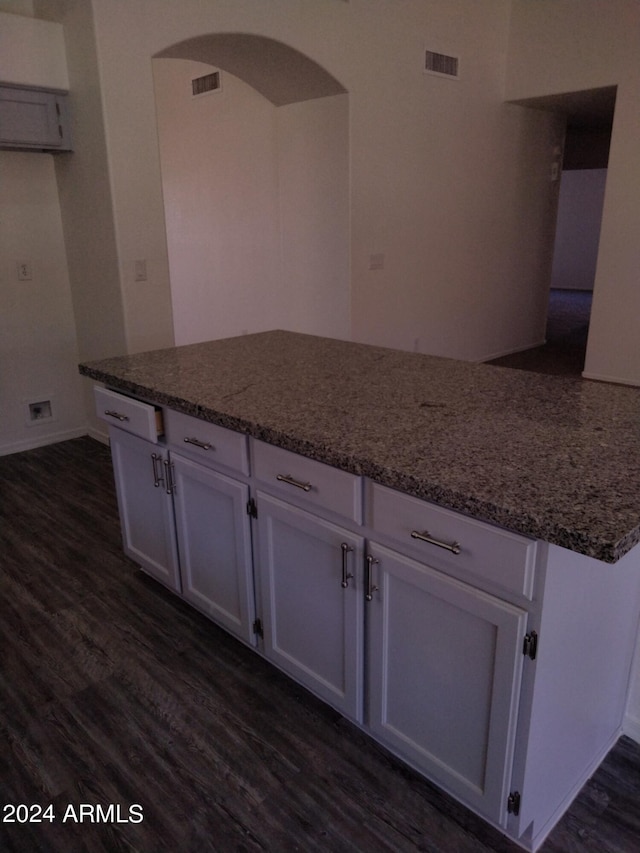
[208, 443]
[312, 601]
[214, 543]
[146, 508]
[307, 481]
[33, 119]
[483, 552]
[445, 663]
[128, 414]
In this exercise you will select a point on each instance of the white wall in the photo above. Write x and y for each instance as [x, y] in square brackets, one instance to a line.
[38, 349]
[313, 202]
[219, 183]
[445, 181]
[561, 46]
[452, 185]
[575, 253]
[256, 207]
[32, 52]
[565, 46]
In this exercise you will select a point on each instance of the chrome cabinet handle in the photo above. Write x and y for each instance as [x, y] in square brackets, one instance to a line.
[369, 585]
[157, 478]
[346, 574]
[288, 479]
[454, 547]
[116, 415]
[204, 445]
[170, 483]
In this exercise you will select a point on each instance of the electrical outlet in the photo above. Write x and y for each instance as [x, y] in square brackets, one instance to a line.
[38, 411]
[25, 272]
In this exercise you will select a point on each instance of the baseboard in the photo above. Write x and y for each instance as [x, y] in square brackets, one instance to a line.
[99, 435]
[631, 727]
[513, 351]
[42, 441]
[616, 380]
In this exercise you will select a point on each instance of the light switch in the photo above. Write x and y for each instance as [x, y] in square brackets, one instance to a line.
[140, 268]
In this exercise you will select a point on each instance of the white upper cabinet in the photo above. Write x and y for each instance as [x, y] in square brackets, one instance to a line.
[34, 105]
[32, 53]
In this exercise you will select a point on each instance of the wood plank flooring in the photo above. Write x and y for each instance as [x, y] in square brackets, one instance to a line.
[113, 692]
[565, 349]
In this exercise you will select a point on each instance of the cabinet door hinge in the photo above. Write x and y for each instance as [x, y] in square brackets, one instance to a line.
[257, 628]
[252, 509]
[530, 645]
[513, 803]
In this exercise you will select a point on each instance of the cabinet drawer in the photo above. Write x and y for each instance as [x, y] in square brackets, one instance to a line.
[307, 481]
[488, 553]
[126, 413]
[206, 442]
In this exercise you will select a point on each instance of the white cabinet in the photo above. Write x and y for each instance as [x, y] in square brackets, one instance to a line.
[444, 666]
[311, 599]
[145, 504]
[490, 557]
[34, 119]
[184, 521]
[411, 623]
[418, 622]
[214, 543]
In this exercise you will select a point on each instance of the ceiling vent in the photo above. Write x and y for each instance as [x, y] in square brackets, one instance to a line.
[208, 83]
[441, 64]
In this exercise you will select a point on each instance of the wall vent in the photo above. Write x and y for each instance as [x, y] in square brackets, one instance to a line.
[441, 64]
[205, 84]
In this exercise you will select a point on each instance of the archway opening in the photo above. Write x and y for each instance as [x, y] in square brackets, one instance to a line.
[255, 176]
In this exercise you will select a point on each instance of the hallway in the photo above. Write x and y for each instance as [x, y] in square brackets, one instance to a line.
[566, 334]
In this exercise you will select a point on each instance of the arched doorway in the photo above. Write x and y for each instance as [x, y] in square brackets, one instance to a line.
[256, 188]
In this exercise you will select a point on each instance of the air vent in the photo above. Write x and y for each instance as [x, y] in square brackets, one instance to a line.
[441, 64]
[207, 83]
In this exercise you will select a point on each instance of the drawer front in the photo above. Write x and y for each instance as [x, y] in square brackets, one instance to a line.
[308, 482]
[131, 415]
[208, 443]
[436, 535]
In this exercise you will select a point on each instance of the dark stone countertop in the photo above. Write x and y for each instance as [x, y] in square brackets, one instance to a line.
[551, 457]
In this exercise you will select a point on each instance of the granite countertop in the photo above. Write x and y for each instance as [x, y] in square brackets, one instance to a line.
[551, 457]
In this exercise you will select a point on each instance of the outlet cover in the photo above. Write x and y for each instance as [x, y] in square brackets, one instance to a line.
[39, 411]
[25, 273]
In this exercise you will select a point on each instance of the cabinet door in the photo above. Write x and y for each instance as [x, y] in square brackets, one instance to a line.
[214, 543]
[444, 665]
[310, 579]
[32, 118]
[146, 509]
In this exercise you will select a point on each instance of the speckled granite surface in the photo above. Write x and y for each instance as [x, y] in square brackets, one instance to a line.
[551, 457]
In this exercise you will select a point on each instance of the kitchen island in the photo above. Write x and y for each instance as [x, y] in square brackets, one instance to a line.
[484, 525]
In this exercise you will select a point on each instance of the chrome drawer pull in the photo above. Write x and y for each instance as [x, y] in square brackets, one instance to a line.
[288, 479]
[204, 445]
[116, 415]
[157, 478]
[454, 547]
[370, 586]
[170, 483]
[346, 574]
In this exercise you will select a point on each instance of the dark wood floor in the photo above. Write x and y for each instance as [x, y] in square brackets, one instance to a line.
[114, 692]
[565, 349]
